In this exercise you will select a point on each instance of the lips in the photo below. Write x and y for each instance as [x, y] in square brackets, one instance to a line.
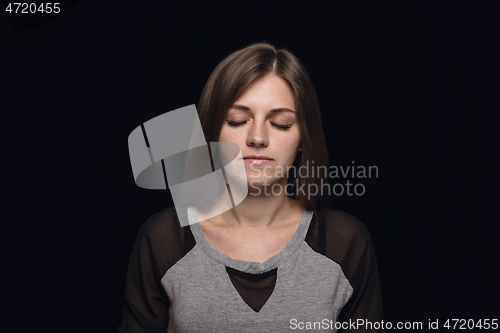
[255, 157]
[257, 160]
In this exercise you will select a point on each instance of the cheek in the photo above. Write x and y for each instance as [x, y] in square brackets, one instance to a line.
[228, 136]
[289, 149]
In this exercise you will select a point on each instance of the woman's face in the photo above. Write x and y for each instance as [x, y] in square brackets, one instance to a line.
[263, 123]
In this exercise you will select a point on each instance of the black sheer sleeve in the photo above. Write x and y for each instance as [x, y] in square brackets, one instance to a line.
[158, 246]
[348, 243]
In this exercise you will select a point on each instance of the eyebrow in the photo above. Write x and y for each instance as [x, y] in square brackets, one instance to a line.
[246, 108]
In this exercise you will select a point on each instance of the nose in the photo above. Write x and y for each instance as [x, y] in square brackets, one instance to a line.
[257, 136]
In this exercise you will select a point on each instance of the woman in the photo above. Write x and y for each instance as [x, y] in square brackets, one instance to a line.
[279, 260]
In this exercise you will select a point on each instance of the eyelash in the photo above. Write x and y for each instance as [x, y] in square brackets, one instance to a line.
[234, 123]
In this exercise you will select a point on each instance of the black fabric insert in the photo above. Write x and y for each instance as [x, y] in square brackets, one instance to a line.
[189, 241]
[254, 289]
[322, 232]
[312, 236]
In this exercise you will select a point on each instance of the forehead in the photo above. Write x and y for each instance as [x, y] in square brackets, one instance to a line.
[269, 91]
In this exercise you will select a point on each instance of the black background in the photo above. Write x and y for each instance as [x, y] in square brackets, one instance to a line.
[407, 86]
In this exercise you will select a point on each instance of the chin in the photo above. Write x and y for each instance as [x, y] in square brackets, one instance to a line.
[255, 182]
[262, 182]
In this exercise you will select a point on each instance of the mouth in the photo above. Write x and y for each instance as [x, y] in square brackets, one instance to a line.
[258, 160]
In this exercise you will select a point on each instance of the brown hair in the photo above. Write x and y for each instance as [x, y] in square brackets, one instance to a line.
[236, 73]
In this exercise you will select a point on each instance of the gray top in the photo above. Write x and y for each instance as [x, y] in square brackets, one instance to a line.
[309, 288]
[177, 282]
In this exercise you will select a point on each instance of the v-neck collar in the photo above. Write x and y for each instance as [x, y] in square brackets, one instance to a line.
[250, 267]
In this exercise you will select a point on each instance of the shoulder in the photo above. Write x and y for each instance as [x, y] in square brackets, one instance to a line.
[347, 240]
[165, 217]
[163, 229]
[163, 238]
[165, 221]
[341, 224]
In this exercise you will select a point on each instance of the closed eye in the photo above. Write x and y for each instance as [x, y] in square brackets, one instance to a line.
[235, 123]
[281, 126]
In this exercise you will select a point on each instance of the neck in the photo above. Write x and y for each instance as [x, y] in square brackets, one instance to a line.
[261, 210]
